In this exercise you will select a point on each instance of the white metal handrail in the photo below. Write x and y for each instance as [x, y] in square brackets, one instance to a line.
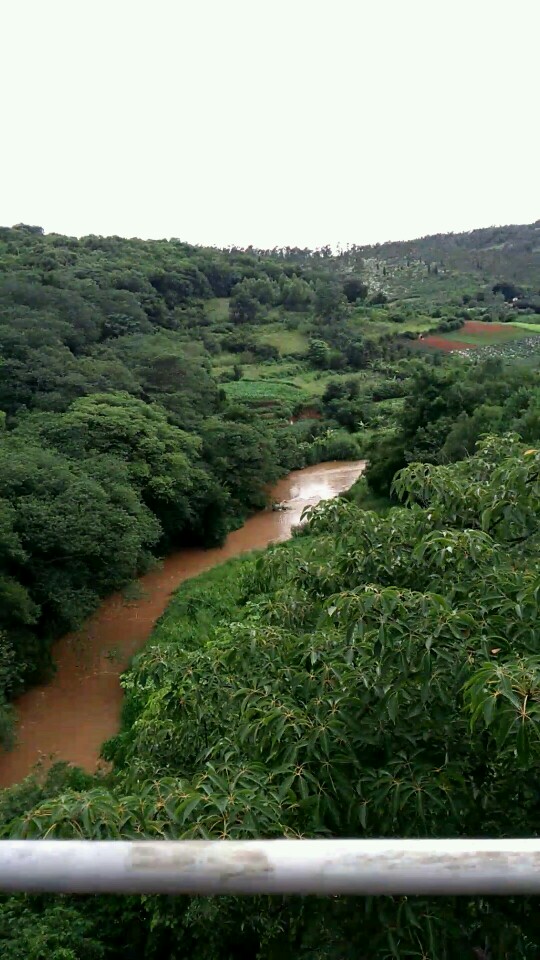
[324, 867]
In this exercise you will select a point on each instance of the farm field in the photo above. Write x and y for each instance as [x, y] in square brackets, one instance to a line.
[530, 327]
[476, 333]
[375, 323]
[264, 390]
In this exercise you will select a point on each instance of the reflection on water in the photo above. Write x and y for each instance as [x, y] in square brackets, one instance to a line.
[70, 717]
[304, 488]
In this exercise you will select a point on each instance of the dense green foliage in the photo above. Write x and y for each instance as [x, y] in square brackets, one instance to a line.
[121, 435]
[377, 676]
[448, 409]
[116, 441]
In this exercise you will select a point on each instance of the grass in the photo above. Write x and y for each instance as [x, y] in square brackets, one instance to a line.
[489, 335]
[217, 309]
[275, 387]
[378, 325]
[314, 382]
[223, 361]
[200, 604]
[287, 380]
[529, 327]
[392, 406]
[287, 341]
[284, 370]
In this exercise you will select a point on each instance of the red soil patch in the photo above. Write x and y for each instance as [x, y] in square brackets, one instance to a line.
[439, 343]
[307, 413]
[488, 331]
[479, 326]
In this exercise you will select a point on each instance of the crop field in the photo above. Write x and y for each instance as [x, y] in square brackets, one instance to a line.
[476, 334]
[268, 384]
[525, 352]
[256, 391]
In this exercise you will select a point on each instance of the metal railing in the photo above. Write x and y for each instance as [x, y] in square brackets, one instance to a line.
[324, 867]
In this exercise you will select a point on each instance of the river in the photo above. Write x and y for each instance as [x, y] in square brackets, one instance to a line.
[70, 717]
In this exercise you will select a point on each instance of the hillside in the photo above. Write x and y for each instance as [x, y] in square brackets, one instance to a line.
[444, 265]
[151, 390]
[376, 676]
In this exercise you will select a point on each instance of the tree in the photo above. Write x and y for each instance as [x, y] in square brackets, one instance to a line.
[467, 430]
[243, 307]
[263, 289]
[160, 458]
[296, 294]
[54, 931]
[378, 298]
[355, 289]
[318, 353]
[18, 613]
[178, 286]
[509, 290]
[376, 678]
[330, 303]
[437, 399]
[181, 383]
[357, 353]
[76, 532]
[342, 403]
[243, 459]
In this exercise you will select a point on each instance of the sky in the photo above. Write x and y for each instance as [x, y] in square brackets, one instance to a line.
[269, 122]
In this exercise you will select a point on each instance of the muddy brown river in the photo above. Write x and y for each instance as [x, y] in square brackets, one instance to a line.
[70, 717]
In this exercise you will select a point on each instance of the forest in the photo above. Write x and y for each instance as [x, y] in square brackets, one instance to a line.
[379, 674]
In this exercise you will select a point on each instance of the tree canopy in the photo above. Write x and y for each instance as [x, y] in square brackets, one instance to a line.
[377, 677]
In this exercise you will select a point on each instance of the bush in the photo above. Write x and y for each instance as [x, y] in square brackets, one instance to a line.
[378, 298]
[354, 289]
[448, 325]
[336, 445]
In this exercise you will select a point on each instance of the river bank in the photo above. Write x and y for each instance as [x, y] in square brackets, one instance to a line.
[70, 717]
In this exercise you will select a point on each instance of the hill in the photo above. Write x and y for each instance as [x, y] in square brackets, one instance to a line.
[378, 675]
[443, 265]
[151, 390]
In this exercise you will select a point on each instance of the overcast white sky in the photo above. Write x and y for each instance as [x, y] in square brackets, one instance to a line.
[269, 121]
